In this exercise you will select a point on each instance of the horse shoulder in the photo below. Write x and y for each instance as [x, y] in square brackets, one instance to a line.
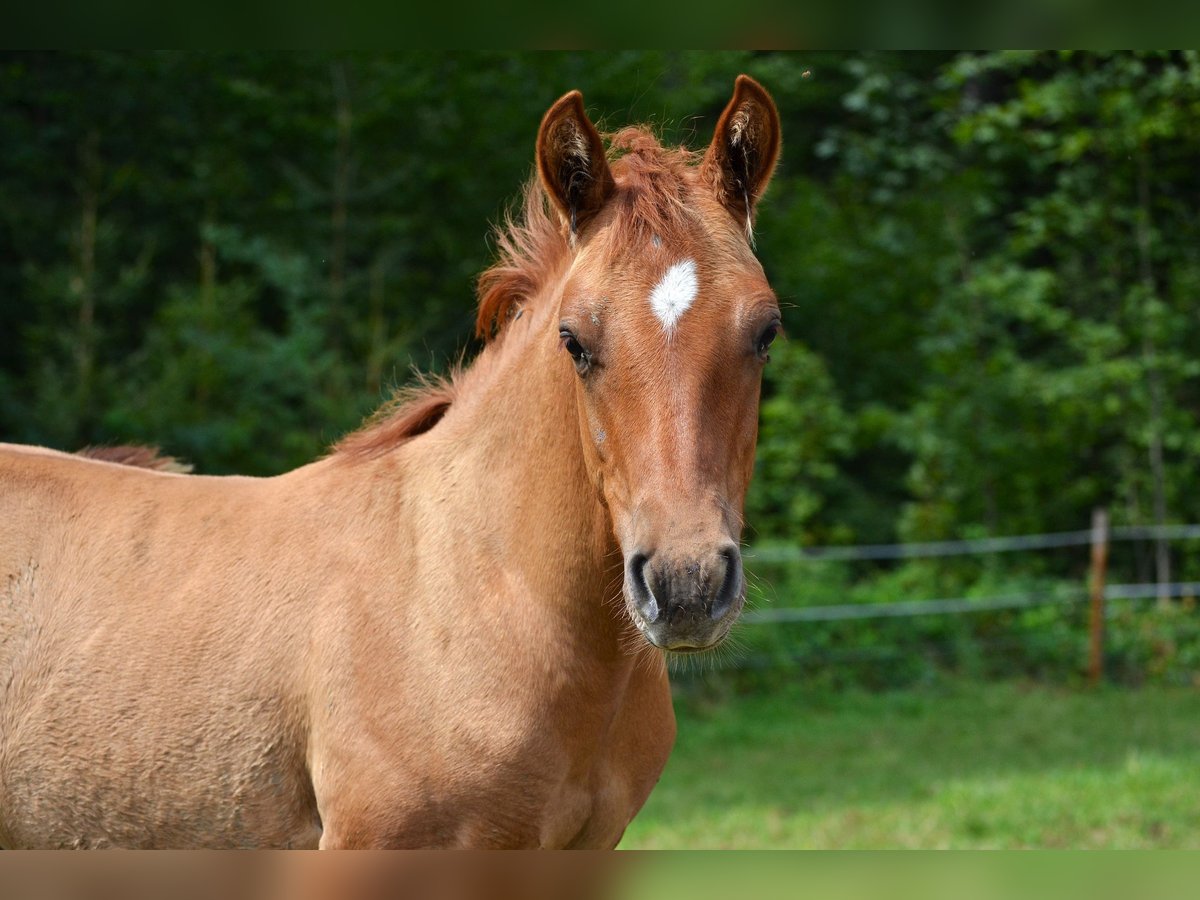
[641, 740]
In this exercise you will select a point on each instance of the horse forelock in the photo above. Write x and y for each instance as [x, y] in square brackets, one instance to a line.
[653, 183]
[654, 187]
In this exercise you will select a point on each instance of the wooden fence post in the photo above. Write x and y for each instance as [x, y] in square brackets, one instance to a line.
[1095, 669]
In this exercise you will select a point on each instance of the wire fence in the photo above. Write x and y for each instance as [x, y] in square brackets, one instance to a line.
[905, 608]
[977, 546]
[1080, 623]
[1088, 602]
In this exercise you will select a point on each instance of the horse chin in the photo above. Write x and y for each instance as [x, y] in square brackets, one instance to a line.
[677, 644]
[690, 651]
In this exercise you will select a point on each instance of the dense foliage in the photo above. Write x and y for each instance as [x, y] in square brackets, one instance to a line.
[988, 264]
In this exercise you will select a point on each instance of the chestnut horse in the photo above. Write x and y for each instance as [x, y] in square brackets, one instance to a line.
[442, 633]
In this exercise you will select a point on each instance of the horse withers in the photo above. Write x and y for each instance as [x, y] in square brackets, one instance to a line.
[442, 633]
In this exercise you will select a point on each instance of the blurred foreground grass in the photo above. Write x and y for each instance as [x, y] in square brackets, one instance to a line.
[960, 765]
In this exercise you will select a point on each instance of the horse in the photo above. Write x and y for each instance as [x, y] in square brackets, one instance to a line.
[450, 630]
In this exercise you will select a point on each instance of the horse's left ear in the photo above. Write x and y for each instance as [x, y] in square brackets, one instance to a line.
[744, 149]
[571, 162]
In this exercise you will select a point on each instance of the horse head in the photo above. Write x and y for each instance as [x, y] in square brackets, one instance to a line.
[665, 320]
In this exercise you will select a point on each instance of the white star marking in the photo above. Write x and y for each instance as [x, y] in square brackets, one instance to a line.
[672, 296]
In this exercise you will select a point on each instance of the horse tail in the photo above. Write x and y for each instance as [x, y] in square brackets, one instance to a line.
[138, 456]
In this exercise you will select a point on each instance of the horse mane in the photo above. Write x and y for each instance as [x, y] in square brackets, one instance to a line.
[653, 184]
[412, 410]
[137, 456]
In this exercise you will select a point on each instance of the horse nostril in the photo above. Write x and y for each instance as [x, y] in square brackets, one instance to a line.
[731, 584]
[643, 597]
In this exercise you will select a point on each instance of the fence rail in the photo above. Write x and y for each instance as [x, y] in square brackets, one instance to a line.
[955, 605]
[1007, 544]
[1096, 591]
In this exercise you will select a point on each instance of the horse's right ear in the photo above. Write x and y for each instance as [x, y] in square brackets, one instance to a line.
[571, 162]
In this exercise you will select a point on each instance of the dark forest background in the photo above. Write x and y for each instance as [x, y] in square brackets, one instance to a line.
[989, 263]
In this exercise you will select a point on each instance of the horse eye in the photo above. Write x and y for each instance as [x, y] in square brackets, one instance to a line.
[765, 339]
[571, 345]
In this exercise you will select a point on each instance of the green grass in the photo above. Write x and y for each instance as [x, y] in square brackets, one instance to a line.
[992, 765]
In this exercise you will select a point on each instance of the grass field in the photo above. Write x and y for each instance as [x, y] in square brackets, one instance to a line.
[964, 765]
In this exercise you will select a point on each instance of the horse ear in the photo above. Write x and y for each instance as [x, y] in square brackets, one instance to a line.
[571, 162]
[744, 149]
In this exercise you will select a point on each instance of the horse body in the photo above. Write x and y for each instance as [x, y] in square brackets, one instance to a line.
[147, 674]
[364, 668]
[439, 635]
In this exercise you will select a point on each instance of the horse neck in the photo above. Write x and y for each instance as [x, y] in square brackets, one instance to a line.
[512, 467]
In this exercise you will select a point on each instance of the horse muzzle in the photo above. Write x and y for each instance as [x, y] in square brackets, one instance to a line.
[685, 603]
